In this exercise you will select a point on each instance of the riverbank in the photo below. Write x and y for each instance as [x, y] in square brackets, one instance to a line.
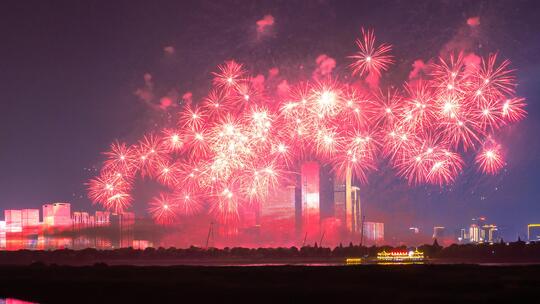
[285, 284]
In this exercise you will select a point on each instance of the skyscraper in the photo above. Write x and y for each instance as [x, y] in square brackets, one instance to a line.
[474, 234]
[30, 217]
[310, 184]
[347, 203]
[13, 220]
[57, 215]
[438, 232]
[278, 214]
[489, 233]
[374, 232]
[533, 232]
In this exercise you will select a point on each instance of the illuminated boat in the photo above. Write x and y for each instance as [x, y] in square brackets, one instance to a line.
[353, 261]
[400, 256]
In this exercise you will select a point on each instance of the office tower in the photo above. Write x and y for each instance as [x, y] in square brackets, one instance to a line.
[347, 203]
[374, 232]
[13, 220]
[81, 219]
[474, 234]
[533, 232]
[57, 215]
[2, 235]
[489, 233]
[326, 192]
[48, 215]
[310, 208]
[438, 232]
[463, 235]
[356, 216]
[278, 214]
[30, 217]
[102, 218]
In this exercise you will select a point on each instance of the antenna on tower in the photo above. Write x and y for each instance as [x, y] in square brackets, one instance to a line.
[322, 238]
[210, 233]
[362, 231]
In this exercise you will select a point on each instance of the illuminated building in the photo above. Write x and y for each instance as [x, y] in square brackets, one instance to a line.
[48, 215]
[278, 214]
[347, 203]
[489, 233]
[124, 223]
[2, 234]
[414, 230]
[463, 235]
[326, 192]
[374, 232]
[82, 220]
[57, 215]
[310, 208]
[102, 218]
[474, 234]
[533, 232]
[340, 202]
[141, 244]
[438, 232]
[13, 220]
[30, 217]
[400, 256]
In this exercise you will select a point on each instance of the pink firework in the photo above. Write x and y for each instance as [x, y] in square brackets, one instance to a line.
[228, 152]
[111, 191]
[120, 159]
[371, 58]
[229, 76]
[163, 210]
[490, 159]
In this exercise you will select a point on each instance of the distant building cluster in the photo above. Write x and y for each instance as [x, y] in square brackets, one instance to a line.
[318, 207]
[479, 232]
[59, 216]
[25, 228]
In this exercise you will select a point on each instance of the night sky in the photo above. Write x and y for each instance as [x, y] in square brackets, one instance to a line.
[69, 72]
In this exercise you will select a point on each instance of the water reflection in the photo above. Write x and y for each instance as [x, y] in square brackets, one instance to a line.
[15, 301]
[42, 241]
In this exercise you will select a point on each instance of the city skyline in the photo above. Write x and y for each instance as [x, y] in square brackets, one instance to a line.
[107, 109]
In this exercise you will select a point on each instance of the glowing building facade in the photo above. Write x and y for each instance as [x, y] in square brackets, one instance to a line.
[533, 232]
[57, 215]
[310, 185]
[13, 220]
[278, 214]
[2, 235]
[374, 232]
[474, 233]
[489, 233]
[30, 218]
[439, 232]
[348, 208]
[102, 218]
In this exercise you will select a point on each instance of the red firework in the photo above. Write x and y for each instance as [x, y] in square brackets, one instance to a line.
[490, 159]
[163, 210]
[370, 58]
[241, 141]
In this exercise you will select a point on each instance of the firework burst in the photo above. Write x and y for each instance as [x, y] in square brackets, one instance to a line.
[230, 150]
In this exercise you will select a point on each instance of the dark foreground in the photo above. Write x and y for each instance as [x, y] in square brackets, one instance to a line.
[279, 284]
